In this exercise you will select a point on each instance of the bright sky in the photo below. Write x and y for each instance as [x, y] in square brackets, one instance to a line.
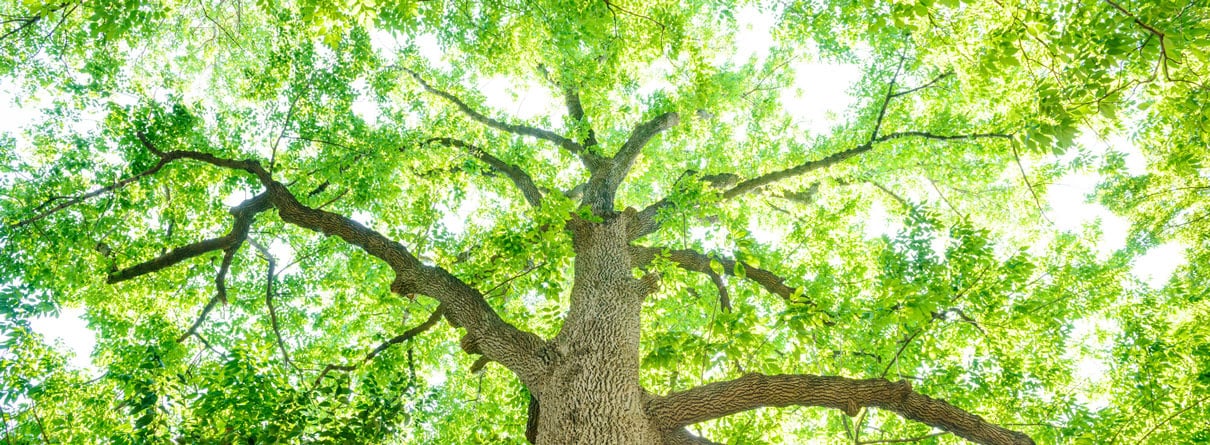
[816, 101]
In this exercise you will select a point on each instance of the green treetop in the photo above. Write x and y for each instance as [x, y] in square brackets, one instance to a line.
[298, 222]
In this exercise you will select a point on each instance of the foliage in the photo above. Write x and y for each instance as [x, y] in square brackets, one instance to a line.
[966, 113]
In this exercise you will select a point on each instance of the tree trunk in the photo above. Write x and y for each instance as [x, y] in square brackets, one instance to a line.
[592, 393]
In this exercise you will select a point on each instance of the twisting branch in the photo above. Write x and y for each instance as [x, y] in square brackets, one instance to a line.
[522, 130]
[465, 306]
[753, 391]
[405, 336]
[270, 277]
[1164, 57]
[519, 177]
[724, 297]
[575, 109]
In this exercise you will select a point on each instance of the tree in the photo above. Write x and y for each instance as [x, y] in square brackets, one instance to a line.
[285, 218]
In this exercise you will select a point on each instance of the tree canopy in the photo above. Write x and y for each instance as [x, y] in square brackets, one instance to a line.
[373, 222]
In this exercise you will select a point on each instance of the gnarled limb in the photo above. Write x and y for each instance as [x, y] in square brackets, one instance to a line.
[405, 336]
[752, 391]
[522, 130]
[464, 306]
[519, 177]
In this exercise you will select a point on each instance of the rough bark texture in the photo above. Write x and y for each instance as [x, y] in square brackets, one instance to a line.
[592, 393]
[587, 377]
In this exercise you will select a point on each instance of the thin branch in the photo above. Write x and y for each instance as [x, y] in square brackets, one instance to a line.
[525, 272]
[1169, 418]
[270, 275]
[612, 6]
[405, 336]
[522, 130]
[903, 346]
[940, 137]
[70, 201]
[519, 177]
[890, 93]
[921, 87]
[220, 285]
[1032, 192]
[753, 391]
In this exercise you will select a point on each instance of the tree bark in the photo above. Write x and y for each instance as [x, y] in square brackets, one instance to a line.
[592, 394]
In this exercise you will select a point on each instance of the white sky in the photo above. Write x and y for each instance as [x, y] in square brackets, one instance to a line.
[816, 101]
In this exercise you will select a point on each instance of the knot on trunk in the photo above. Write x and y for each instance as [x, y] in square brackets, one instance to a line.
[404, 286]
[470, 344]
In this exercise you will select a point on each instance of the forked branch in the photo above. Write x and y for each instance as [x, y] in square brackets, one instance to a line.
[753, 391]
[244, 214]
[405, 336]
[464, 306]
[521, 130]
[220, 286]
[603, 185]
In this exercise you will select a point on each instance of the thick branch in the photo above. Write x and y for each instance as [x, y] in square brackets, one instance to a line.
[798, 170]
[519, 177]
[522, 130]
[405, 336]
[642, 134]
[849, 395]
[244, 214]
[464, 306]
[575, 110]
[605, 180]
